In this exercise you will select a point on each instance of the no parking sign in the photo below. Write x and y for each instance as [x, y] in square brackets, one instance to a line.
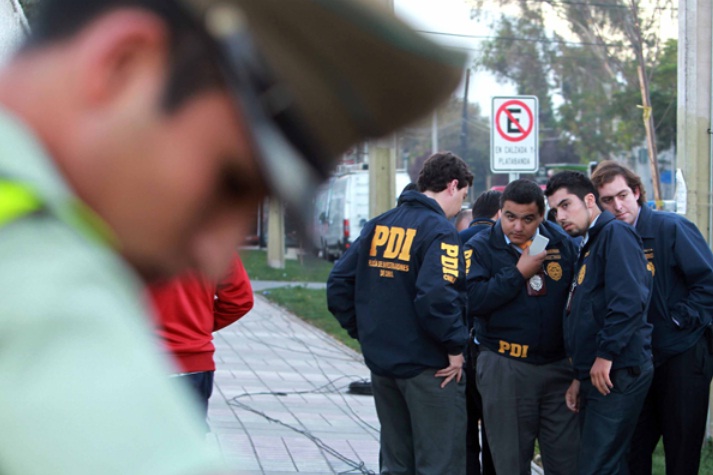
[514, 144]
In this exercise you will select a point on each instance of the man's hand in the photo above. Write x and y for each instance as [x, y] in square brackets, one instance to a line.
[572, 396]
[600, 375]
[530, 265]
[454, 370]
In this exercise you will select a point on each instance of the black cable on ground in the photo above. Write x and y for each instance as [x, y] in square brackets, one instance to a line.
[357, 466]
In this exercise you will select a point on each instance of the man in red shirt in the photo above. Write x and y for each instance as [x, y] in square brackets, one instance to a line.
[190, 308]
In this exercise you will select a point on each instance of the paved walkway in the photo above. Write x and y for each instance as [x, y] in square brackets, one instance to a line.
[260, 285]
[281, 403]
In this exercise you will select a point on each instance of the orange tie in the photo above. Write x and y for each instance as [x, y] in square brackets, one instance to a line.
[525, 245]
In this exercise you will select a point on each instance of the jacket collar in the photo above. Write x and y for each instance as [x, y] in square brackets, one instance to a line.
[416, 198]
[481, 221]
[497, 237]
[644, 226]
[604, 218]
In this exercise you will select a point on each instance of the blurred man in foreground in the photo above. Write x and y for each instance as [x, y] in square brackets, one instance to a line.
[136, 139]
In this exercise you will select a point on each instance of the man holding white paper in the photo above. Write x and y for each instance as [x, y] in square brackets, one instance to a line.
[518, 281]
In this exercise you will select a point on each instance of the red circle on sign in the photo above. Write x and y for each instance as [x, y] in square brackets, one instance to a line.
[503, 108]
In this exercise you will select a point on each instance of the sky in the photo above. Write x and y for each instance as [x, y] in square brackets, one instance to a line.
[453, 17]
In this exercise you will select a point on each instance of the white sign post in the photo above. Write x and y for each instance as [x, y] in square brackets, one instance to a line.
[514, 142]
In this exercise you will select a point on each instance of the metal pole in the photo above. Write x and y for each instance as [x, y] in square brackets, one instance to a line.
[276, 235]
[464, 125]
[710, 146]
[382, 166]
[434, 132]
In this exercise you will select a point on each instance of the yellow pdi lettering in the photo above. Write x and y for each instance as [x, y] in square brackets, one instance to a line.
[450, 260]
[468, 255]
[397, 242]
[516, 350]
[405, 254]
[381, 236]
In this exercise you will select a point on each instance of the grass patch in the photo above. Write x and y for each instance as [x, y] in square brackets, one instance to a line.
[308, 269]
[707, 458]
[311, 306]
[658, 466]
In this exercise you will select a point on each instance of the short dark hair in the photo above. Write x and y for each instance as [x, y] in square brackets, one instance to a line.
[552, 215]
[487, 204]
[524, 192]
[575, 182]
[440, 169]
[607, 170]
[193, 57]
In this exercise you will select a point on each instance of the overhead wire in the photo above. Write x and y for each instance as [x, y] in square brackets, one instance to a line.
[327, 388]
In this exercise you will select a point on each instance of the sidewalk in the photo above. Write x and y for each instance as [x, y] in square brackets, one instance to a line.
[280, 403]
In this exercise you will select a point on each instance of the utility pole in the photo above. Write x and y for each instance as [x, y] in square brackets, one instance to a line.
[464, 125]
[694, 108]
[382, 166]
[634, 32]
[695, 114]
[276, 235]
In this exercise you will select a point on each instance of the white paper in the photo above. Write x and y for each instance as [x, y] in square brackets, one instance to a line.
[538, 244]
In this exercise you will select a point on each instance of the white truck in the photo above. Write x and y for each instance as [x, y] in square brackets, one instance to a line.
[342, 209]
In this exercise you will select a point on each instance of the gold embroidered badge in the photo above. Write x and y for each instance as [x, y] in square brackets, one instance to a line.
[650, 267]
[582, 272]
[554, 270]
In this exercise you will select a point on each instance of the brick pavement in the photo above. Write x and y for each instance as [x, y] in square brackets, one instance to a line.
[274, 371]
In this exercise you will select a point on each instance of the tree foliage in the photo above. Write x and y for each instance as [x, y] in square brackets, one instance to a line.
[584, 56]
[415, 141]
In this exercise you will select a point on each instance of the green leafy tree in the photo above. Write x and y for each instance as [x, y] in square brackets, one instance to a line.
[625, 105]
[415, 141]
[613, 46]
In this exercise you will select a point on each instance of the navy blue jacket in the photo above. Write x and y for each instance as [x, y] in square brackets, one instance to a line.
[400, 289]
[475, 227]
[508, 320]
[610, 300]
[682, 296]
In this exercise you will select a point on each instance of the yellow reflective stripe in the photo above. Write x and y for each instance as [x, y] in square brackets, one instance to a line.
[16, 200]
[88, 222]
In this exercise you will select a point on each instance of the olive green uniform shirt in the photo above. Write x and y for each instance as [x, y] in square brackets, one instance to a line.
[83, 386]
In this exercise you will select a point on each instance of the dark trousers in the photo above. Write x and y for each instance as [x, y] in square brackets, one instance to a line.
[202, 386]
[523, 403]
[608, 422]
[422, 424]
[676, 408]
[474, 407]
